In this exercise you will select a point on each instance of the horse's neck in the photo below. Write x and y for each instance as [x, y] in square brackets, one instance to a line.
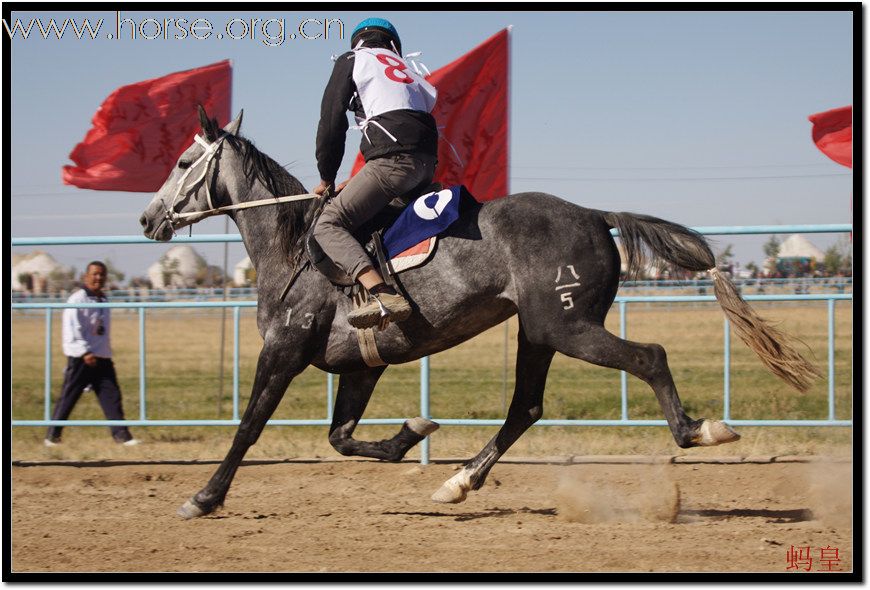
[258, 227]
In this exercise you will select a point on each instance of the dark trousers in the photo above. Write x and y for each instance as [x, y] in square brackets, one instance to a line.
[104, 382]
[377, 183]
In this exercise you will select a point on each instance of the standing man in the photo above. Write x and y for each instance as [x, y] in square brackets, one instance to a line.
[89, 358]
[392, 104]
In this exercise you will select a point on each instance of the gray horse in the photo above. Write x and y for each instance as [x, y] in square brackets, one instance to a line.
[553, 263]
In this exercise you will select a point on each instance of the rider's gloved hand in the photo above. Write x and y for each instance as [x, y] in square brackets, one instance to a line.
[323, 187]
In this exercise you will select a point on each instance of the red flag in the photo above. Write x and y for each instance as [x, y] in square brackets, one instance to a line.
[832, 132]
[140, 130]
[472, 117]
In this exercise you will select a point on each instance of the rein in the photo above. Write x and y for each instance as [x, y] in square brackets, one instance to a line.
[247, 205]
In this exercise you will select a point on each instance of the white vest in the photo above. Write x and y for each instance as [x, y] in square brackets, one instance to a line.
[386, 83]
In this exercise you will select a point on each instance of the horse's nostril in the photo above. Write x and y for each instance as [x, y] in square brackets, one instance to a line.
[143, 221]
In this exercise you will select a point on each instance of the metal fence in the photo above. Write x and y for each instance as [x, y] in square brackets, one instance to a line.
[621, 301]
[760, 286]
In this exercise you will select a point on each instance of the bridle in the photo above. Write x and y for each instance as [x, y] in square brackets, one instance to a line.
[212, 152]
[182, 189]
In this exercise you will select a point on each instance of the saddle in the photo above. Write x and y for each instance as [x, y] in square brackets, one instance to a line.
[397, 239]
[371, 234]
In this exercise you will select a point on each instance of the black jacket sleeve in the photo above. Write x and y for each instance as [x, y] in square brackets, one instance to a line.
[333, 124]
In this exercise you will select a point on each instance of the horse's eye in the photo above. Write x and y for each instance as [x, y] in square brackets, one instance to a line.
[183, 164]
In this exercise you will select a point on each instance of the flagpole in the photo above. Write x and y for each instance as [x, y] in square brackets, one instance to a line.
[508, 167]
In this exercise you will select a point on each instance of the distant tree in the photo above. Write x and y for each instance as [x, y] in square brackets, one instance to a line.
[771, 250]
[61, 280]
[140, 282]
[210, 276]
[846, 265]
[753, 268]
[838, 258]
[26, 281]
[114, 275]
[771, 247]
[833, 260]
[726, 256]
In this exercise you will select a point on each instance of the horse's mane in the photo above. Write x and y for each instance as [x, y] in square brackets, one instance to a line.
[257, 166]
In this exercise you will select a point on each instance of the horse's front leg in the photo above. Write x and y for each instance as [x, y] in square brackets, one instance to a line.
[354, 392]
[274, 373]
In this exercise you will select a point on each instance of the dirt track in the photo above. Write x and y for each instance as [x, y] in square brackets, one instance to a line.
[346, 516]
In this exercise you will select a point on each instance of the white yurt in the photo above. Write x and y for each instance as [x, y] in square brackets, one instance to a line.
[798, 247]
[178, 268]
[242, 272]
[39, 265]
[797, 256]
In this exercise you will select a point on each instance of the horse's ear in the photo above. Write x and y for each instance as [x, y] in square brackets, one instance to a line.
[233, 127]
[209, 126]
[203, 118]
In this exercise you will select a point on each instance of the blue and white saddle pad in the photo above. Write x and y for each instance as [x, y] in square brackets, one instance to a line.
[425, 217]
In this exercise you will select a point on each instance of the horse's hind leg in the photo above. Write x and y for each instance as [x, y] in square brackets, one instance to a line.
[533, 363]
[354, 392]
[649, 362]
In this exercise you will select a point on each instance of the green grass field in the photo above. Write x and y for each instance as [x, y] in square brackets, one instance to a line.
[183, 352]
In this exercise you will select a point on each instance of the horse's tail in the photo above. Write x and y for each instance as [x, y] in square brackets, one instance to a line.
[646, 237]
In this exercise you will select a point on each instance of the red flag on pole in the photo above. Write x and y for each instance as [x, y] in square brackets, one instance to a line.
[472, 117]
[832, 133]
[141, 129]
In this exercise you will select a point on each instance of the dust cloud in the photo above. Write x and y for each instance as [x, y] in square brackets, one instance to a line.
[655, 498]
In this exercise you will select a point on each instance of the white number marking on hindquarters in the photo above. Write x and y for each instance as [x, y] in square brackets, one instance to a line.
[567, 298]
[309, 319]
[289, 311]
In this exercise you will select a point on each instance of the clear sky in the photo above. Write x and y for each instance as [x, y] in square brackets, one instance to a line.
[697, 117]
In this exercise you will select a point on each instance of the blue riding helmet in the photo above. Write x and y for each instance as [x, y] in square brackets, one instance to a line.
[378, 24]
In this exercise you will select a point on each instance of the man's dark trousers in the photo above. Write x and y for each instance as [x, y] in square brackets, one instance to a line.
[104, 382]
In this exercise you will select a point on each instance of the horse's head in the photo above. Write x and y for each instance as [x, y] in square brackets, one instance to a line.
[195, 186]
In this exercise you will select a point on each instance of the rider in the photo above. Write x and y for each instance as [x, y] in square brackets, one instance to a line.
[392, 104]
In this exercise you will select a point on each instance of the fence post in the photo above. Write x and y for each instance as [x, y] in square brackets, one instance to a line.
[424, 406]
[236, 362]
[623, 376]
[726, 403]
[142, 363]
[831, 359]
[48, 364]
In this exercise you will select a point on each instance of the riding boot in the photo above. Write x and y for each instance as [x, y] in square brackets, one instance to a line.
[380, 305]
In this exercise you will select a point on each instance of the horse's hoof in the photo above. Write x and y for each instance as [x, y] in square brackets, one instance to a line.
[715, 432]
[422, 426]
[190, 510]
[454, 490]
